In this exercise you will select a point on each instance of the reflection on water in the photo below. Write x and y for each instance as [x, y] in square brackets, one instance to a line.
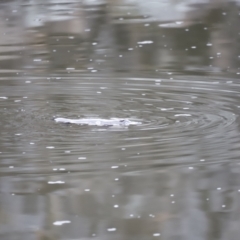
[174, 65]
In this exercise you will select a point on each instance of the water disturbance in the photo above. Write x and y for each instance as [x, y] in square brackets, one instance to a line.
[119, 120]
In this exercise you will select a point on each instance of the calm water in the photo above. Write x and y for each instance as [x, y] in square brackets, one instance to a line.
[174, 66]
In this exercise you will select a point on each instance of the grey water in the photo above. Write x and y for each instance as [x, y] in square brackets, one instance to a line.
[146, 138]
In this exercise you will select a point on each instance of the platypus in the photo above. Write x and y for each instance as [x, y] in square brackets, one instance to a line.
[116, 122]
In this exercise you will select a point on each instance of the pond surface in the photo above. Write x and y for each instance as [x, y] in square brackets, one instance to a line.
[170, 67]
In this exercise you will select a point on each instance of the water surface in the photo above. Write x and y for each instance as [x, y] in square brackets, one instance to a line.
[174, 66]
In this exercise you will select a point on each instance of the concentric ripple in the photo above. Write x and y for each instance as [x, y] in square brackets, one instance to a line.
[182, 120]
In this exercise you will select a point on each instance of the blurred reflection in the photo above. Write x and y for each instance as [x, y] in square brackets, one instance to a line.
[120, 35]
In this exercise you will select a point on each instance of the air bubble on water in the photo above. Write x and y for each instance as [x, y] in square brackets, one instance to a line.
[146, 24]
[116, 206]
[27, 81]
[94, 70]
[173, 202]
[67, 151]
[56, 182]
[223, 206]
[179, 22]
[219, 189]
[3, 97]
[94, 43]
[172, 195]
[87, 30]
[116, 179]
[193, 47]
[123, 149]
[50, 147]
[190, 168]
[156, 234]
[37, 60]
[11, 166]
[145, 42]
[202, 160]
[87, 190]
[130, 49]
[82, 158]
[62, 169]
[31, 143]
[183, 115]
[209, 44]
[113, 167]
[111, 229]
[60, 223]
